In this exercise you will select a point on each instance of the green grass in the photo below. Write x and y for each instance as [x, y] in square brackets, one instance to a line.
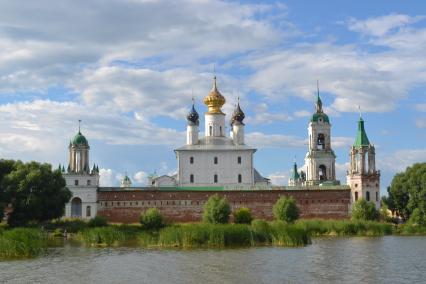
[22, 243]
[410, 230]
[317, 227]
[107, 236]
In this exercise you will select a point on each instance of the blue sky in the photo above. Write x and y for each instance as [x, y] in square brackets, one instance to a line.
[128, 69]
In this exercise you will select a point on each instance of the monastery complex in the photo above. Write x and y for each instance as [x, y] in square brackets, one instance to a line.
[222, 164]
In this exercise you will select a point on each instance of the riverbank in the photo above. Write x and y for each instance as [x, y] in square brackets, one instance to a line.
[31, 242]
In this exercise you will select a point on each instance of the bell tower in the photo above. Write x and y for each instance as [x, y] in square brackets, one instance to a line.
[320, 159]
[363, 177]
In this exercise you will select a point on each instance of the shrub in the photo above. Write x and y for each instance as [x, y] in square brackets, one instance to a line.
[216, 210]
[242, 216]
[285, 209]
[417, 218]
[22, 242]
[261, 231]
[152, 219]
[364, 210]
[98, 221]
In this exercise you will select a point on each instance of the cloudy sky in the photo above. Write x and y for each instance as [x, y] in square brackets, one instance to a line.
[128, 70]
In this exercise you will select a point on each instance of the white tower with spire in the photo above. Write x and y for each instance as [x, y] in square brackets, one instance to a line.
[81, 181]
[362, 176]
[320, 159]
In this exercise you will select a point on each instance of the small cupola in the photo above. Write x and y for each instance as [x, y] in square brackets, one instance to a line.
[238, 115]
[193, 117]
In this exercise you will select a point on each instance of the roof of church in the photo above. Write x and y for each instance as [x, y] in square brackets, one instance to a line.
[258, 177]
[295, 175]
[319, 112]
[79, 139]
[215, 143]
[361, 136]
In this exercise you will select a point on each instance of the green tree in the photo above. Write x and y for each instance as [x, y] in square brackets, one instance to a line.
[242, 216]
[6, 166]
[364, 210]
[216, 210]
[285, 209]
[408, 191]
[35, 191]
[152, 219]
[417, 217]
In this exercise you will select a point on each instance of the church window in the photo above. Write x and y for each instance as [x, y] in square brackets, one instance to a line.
[76, 182]
[215, 160]
[240, 178]
[220, 129]
[191, 160]
[239, 159]
[356, 195]
[191, 178]
[321, 141]
[88, 182]
[88, 211]
[215, 178]
[367, 196]
[356, 185]
[377, 196]
[210, 130]
[322, 172]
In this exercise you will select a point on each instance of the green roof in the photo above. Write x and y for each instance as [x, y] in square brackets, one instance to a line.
[316, 116]
[79, 139]
[361, 136]
[295, 175]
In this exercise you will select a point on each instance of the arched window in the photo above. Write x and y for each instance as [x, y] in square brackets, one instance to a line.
[239, 159]
[321, 141]
[322, 172]
[367, 196]
[210, 130]
[215, 178]
[89, 182]
[377, 196]
[191, 178]
[356, 195]
[76, 182]
[215, 160]
[191, 160]
[240, 178]
[88, 211]
[220, 129]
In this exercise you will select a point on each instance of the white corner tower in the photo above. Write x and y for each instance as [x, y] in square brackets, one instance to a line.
[81, 181]
[320, 159]
[237, 133]
[363, 177]
[192, 127]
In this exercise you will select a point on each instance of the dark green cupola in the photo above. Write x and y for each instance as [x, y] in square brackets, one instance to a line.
[319, 115]
[79, 139]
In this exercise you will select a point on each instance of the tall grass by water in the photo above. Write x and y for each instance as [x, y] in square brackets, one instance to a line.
[318, 227]
[22, 242]
[107, 236]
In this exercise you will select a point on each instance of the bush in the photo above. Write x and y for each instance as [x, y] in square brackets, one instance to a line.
[216, 210]
[417, 218]
[22, 242]
[364, 210]
[285, 209]
[261, 231]
[98, 221]
[152, 219]
[242, 216]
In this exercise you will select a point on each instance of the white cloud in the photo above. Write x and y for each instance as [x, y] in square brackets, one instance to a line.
[421, 123]
[302, 113]
[279, 178]
[140, 177]
[262, 116]
[107, 177]
[420, 107]
[261, 140]
[380, 26]
[341, 170]
[342, 142]
[401, 159]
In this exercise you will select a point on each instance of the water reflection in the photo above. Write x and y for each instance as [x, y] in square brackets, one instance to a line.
[328, 260]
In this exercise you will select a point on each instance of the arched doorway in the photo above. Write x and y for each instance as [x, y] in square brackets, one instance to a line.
[322, 172]
[76, 207]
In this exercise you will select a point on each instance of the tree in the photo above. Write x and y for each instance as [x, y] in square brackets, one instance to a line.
[285, 209]
[364, 210]
[6, 166]
[151, 219]
[242, 216]
[408, 191]
[35, 191]
[216, 210]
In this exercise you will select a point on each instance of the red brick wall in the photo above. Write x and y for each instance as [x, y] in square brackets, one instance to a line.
[187, 206]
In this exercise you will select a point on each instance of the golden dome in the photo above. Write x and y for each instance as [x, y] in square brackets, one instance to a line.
[214, 100]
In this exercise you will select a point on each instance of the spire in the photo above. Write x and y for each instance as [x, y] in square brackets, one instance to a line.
[319, 102]
[295, 174]
[361, 136]
[79, 126]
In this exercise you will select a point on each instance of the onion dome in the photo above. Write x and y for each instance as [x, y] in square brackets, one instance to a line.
[319, 116]
[238, 116]
[126, 181]
[193, 117]
[79, 140]
[214, 100]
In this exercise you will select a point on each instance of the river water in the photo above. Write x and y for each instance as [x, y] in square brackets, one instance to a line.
[388, 259]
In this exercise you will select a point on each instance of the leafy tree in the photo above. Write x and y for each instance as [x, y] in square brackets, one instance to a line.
[35, 191]
[364, 210]
[216, 210]
[242, 216]
[417, 218]
[285, 209]
[408, 191]
[152, 219]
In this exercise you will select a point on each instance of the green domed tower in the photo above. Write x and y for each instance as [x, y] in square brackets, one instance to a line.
[79, 154]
